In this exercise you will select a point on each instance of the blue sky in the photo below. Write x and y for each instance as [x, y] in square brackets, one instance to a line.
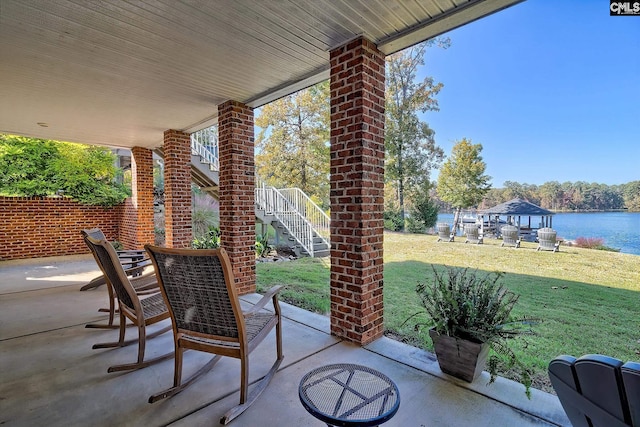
[551, 89]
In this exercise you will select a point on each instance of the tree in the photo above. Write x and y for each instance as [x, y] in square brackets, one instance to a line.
[293, 144]
[462, 182]
[411, 151]
[36, 167]
[424, 210]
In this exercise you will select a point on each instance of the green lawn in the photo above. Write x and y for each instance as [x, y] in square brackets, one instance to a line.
[589, 300]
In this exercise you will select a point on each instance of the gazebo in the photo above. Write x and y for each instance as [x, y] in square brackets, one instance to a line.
[514, 211]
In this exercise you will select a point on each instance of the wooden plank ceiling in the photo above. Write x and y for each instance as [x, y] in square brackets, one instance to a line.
[119, 73]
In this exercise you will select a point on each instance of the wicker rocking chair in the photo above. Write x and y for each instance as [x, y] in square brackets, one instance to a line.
[198, 287]
[141, 310]
[133, 262]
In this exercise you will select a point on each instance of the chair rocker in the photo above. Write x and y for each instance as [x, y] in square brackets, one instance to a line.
[198, 287]
[133, 262]
[141, 310]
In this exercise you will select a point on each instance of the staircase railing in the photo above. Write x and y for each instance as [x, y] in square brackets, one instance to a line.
[204, 143]
[300, 216]
[289, 206]
[315, 216]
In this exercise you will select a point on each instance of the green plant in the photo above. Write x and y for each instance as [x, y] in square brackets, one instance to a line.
[462, 303]
[262, 245]
[211, 240]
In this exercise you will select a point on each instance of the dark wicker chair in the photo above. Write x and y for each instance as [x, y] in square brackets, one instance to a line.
[473, 234]
[510, 236]
[133, 262]
[142, 311]
[198, 287]
[597, 391]
[444, 232]
[547, 240]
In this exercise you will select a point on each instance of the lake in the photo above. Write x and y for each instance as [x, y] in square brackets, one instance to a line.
[620, 230]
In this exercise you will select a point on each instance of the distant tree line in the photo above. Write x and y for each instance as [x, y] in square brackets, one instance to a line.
[567, 196]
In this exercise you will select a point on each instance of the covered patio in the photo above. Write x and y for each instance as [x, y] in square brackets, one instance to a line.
[51, 376]
[145, 75]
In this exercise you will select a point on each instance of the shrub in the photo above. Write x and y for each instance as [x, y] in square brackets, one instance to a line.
[594, 243]
[211, 240]
[262, 245]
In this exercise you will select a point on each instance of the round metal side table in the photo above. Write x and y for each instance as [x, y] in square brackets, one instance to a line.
[349, 395]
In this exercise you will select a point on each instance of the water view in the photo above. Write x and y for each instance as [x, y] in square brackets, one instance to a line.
[620, 230]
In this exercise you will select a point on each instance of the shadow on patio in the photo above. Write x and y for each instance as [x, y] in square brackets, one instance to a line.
[51, 376]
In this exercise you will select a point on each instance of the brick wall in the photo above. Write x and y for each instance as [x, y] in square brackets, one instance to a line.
[357, 191]
[177, 189]
[50, 226]
[237, 191]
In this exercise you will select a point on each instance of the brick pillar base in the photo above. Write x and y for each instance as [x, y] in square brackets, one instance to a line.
[357, 191]
[237, 191]
[177, 189]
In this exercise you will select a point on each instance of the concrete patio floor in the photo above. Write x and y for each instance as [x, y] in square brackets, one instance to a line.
[49, 375]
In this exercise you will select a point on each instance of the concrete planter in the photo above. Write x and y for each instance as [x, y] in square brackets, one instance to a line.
[458, 357]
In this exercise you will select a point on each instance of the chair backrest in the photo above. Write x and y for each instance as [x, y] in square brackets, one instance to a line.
[509, 233]
[198, 286]
[471, 230]
[108, 261]
[444, 230]
[597, 391]
[547, 237]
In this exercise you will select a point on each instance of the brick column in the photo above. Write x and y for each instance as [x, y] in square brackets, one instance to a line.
[357, 191]
[137, 229]
[177, 189]
[237, 191]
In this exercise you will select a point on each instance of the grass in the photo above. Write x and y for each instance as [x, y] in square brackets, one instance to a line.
[588, 299]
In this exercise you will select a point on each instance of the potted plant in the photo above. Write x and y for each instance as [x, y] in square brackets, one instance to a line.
[470, 314]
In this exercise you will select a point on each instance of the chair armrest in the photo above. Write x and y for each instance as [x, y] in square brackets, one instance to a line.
[147, 283]
[271, 294]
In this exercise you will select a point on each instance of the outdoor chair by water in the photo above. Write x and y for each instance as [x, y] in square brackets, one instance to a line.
[141, 310]
[199, 288]
[473, 234]
[547, 240]
[510, 236]
[133, 262]
[444, 232]
[597, 391]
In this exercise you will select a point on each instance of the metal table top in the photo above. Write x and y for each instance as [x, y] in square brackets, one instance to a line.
[349, 395]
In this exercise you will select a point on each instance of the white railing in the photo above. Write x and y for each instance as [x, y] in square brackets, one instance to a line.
[300, 216]
[295, 211]
[315, 216]
[204, 143]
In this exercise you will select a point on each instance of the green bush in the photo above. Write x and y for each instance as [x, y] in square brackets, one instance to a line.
[262, 245]
[211, 240]
[393, 219]
[35, 167]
